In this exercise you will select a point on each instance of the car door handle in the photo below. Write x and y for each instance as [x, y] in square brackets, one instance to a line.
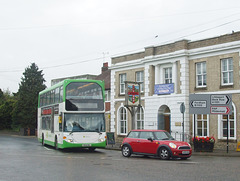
[138, 141]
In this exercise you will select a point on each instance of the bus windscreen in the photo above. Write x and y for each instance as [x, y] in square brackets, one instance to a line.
[84, 122]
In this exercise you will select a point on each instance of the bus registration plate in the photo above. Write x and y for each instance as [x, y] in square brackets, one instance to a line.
[86, 145]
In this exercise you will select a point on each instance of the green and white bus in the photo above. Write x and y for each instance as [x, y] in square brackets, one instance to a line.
[71, 114]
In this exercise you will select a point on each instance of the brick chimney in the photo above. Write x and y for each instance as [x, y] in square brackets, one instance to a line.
[105, 67]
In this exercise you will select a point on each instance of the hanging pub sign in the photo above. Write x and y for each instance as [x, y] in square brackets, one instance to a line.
[132, 94]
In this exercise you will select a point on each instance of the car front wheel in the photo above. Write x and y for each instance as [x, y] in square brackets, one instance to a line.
[126, 152]
[164, 154]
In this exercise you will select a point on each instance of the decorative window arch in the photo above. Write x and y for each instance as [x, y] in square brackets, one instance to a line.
[222, 125]
[122, 121]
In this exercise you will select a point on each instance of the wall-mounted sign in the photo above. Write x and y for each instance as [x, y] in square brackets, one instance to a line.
[164, 89]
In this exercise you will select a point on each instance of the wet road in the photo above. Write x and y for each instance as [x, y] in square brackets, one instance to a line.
[23, 158]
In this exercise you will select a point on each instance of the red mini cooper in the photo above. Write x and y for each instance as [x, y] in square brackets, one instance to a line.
[155, 142]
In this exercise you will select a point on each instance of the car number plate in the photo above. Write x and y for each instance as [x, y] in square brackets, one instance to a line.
[185, 152]
[86, 145]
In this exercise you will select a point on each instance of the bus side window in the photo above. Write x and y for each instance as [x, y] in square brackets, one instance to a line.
[41, 100]
[48, 98]
[52, 97]
[57, 95]
[61, 94]
[43, 123]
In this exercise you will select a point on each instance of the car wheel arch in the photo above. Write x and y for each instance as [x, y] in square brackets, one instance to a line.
[126, 150]
[127, 144]
[165, 146]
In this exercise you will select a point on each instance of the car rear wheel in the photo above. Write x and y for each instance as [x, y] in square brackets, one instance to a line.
[126, 151]
[164, 153]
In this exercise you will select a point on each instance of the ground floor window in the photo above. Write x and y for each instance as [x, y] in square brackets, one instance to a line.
[231, 124]
[201, 124]
[140, 118]
[122, 116]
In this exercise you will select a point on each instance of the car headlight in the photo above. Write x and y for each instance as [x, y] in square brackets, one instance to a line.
[172, 145]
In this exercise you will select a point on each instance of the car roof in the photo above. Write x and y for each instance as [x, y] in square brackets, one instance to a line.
[148, 130]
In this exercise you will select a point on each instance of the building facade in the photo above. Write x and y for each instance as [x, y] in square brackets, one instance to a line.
[169, 73]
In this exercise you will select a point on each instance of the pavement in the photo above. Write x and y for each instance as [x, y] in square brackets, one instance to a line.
[216, 152]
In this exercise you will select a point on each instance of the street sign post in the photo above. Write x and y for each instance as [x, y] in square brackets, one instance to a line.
[211, 104]
[182, 110]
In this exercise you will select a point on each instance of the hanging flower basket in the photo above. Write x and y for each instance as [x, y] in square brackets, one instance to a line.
[204, 144]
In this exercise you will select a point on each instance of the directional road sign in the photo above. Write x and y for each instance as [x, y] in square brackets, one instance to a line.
[220, 99]
[197, 104]
[210, 104]
[220, 110]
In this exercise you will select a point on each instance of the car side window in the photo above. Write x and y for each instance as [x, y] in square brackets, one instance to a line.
[133, 134]
[146, 135]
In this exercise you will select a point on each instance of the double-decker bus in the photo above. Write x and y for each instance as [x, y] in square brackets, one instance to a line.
[71, 114]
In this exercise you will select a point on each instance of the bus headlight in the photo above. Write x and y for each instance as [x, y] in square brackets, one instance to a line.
[69, 140]
[101, 140]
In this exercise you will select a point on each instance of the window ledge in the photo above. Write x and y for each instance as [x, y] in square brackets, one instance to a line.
[119, 95]
[226, 86]
[200, 88]
[230, 140]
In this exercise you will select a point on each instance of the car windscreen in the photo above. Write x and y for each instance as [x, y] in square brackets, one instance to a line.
[163, 135]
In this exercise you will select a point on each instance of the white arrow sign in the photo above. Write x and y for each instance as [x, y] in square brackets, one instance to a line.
[198, 103]
[220, 99]
[220, 110]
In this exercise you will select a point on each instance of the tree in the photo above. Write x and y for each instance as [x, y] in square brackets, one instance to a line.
[7, 102]
[6, 113]
[2, 98]
[25, 109]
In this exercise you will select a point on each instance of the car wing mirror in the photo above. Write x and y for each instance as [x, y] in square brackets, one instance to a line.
[150, 139]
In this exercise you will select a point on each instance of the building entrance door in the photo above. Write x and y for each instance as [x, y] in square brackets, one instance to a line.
[164, 118]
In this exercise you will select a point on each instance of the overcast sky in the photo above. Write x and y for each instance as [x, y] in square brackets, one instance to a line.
[74, 37]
